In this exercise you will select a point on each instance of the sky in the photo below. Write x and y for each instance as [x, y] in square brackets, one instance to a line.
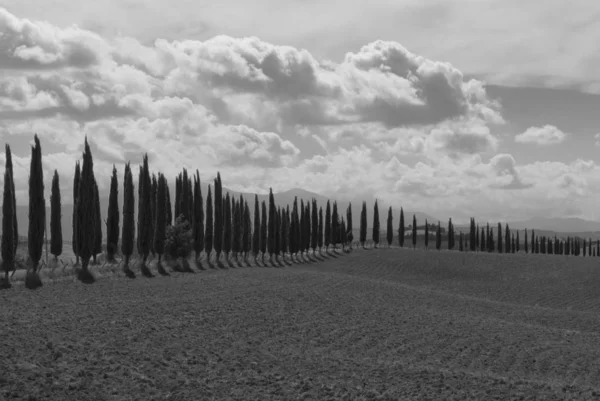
[456, 108]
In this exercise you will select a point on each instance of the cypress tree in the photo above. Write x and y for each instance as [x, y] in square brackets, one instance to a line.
[507, 241]
[426, 234]
[112, 221]
[227, 226]
[9, 167]
[349, 228]
[526, 245]
[277, 239]
[363, 224]
[98, 223]
[414, 232]
[293, 232]
[450, 234]
[272, 225]
[483, 241]
[185, 195]
[178, 190]
[302, 227]
[256, 234]
[8, 227]
[127, 236]
[477, 238]
[401, 229]
[500, 245]
[517, 242]
[160, 219]
[376, 229]
[208, 231]
[491, 241]
[218, 220]
[86, 215]
[168, 206]
[473, 236]
[154, 189]
[247, 237]
[145, 232]
[533, 242]
[327, 226]
[236, 229]
[343, 233]
[390, 228]
[320, 233]
[263, 231]
[307, 228]
[315, 226]
[37, 215]
[56, 243]
[335, 226]
[198, 227]
[76, 181]
[513, 244]
[438, 237]
[487, 237]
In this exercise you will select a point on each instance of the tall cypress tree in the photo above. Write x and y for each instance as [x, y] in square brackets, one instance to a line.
[438, 237]
[56, 239]
[145, 232]
[307, 228]
[272, 225]
[277, 239]
[185, 196]
[154, 189]
[37, 215]
[8, 227]
[76, 181]
[426, 234]
[209, 229]
[507, 241]
[112, 220]
[533, 241]
[263, 230]
[198, 227]
[98, 224]
[160, 218]
[227, 226]
[327, 226]
[335, 225]
[218, 221]
[349, 228]
[414, 232]
[526, 247]
[500, 247]
[401, 229]
[168, 206]
[128, 233]
[302, 223]
[320, 233]
[86, 215]
[247, 237]
[9, 167]
[315, 226]
[256, 233]
[178, 190]
[390, 228]
[363, 224]
[483, 244]
[293, 232]
[517, 242]
[376, 229]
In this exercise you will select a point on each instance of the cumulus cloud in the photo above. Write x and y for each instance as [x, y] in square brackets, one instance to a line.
[382, 121]
[546, 135]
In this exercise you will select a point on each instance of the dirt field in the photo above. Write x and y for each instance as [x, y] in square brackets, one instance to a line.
[372, 325]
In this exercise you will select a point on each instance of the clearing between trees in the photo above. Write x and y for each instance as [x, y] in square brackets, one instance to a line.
[383, 324]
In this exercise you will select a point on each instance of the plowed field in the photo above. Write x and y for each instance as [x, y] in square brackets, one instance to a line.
[384, 324]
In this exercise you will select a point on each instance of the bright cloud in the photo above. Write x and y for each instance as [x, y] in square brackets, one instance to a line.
[546, 135]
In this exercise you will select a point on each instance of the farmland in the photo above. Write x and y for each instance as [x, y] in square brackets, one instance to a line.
[381, 324]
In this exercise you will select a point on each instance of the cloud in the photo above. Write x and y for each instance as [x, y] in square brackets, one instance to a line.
[382, 122]
[546, 135]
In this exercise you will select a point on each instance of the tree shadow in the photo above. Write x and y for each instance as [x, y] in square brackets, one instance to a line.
[185, 265]
[85, 276]
[199, 264]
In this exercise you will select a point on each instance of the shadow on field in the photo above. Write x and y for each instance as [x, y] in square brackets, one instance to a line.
[199, 264]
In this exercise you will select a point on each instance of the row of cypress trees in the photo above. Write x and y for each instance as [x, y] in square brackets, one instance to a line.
[225, 226]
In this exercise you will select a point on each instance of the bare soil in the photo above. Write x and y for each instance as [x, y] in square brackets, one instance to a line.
[385, 324]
